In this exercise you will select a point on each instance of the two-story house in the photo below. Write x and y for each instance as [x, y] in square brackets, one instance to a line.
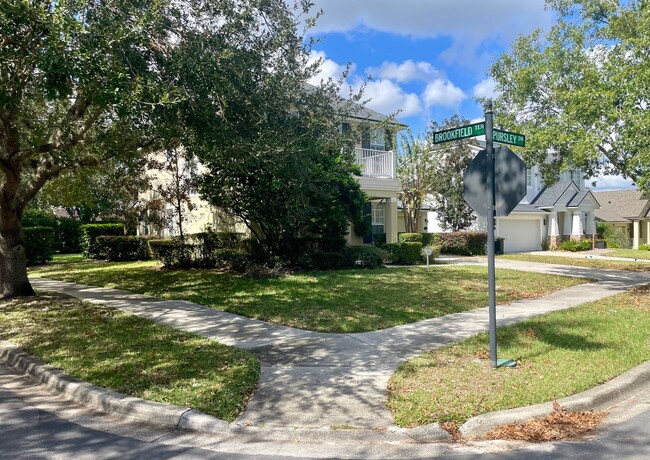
[375, 153]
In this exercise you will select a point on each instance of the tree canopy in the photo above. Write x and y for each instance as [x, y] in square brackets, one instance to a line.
[450, 160]
[85, 82]
[582, 90]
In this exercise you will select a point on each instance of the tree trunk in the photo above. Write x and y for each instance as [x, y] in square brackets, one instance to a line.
[13, 258]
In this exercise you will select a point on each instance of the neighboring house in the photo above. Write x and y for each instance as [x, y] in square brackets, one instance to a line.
[628, 210]
[547, 215]
[375, 153]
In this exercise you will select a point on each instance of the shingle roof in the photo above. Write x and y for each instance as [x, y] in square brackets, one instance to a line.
[578, 198]
[607, 215]
[524, 207]
[627, 204]
[549, 196]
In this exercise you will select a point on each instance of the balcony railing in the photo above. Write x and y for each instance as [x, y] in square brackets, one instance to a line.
[376, 163]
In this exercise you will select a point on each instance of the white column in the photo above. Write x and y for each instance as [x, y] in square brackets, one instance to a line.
[636, 230]
[553, 228]
[591, 224]
[576, 226]
[390, 223]
[647, 232]
[567, 224]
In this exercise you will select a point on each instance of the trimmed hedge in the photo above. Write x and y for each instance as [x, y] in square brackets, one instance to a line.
[67, 236]
[644, 247]
[123, 248]
[90, 233]
[174, 254]
[575, 246]
[409, 238]
[39, 244]
[368, 256]
[463, 243]
[407, 253]
[429, 239]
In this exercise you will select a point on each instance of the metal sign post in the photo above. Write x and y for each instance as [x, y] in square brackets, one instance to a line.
[491, 208]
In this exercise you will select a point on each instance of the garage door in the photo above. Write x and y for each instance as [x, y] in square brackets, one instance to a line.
[520, 235]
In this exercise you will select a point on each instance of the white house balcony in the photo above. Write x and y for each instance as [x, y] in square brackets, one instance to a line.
[376, 163]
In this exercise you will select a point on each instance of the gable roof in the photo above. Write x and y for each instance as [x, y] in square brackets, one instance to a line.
[579, 197]
[622, 204]
[549, 196]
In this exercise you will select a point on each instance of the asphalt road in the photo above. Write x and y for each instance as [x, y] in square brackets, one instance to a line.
[37, 425]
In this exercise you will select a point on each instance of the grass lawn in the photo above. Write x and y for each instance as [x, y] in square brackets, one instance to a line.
[558, 354]
[66, 258]
[329, 301]
[629, 253]
[132, 355]
[581, 262]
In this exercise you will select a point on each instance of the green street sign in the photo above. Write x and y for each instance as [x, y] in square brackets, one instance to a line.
[448, 135]
[506, 137]
[478, 129]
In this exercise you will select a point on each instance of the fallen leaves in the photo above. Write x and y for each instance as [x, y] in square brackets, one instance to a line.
[560, 424]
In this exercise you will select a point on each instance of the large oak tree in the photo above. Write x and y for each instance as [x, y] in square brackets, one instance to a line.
[582, 91]
[85, 81]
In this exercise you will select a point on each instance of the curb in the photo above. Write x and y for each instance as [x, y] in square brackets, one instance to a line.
[108, 401]
[186, 418]
[595, 398]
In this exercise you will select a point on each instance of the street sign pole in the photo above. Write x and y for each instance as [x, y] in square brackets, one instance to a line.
[491, 208]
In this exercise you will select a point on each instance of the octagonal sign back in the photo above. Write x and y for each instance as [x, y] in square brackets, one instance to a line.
[510, 177]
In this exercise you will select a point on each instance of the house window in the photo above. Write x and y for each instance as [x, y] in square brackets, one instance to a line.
[529, 177]
[378, 217]
[378, 139]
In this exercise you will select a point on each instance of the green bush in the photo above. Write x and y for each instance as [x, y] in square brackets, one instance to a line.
[435, 252]
[429, 239]
[575, 246]
[407, 253]
[410, 253]
[615, 237]
[38, 218]
[233, 260]
[463, 243]
[644, 247]
[90, 233]
[39, 244]
[379, 239]
[409, 238]
[172, 253]
[123, 248]
[67, 236]
[368, 256]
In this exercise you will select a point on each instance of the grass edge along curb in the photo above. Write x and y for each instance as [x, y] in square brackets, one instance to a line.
[108, 401]
[595, 398]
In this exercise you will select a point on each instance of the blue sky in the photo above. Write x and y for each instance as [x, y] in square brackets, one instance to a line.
[428, 59]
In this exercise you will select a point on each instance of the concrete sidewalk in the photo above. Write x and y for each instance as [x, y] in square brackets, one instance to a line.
[316, 380]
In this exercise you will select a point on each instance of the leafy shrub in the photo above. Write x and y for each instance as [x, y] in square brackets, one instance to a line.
[409, 238]
[123, 248]
[38, 218]
[429, 239]
[67, 236]
[172, 253]
[615, 237]
[575, 246]
[233, 260]
[408, 253]
[463, 243]
[369, 256]
[379, 239]
[90, 233]
[39, 244]
[644, 247]
[322, 260]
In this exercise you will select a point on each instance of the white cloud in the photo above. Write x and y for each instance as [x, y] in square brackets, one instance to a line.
[485, 88]
[386, 97]
[405, 72]
[328, 68]
[467, 22]
[443, 92]
[604, 183]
